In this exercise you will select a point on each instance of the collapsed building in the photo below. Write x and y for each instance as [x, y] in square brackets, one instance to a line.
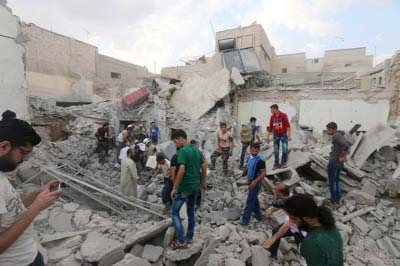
[67, 90]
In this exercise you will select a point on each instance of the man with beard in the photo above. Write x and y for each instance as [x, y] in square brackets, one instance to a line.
[323, 244]
[17, 246]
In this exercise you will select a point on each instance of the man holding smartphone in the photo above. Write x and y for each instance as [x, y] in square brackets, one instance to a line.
[17, 246]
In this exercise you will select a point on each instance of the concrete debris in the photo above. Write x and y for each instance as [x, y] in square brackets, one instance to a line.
[101, 250]
[361, 197]
[236, 77]
[180, 255]
[152, 253]
[371, 141]
[147, 233]
[60, 221]
[131, 260]
[201, 94]
[260, 256]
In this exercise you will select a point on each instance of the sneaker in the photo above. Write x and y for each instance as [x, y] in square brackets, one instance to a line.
[284, 165]
[276, 166]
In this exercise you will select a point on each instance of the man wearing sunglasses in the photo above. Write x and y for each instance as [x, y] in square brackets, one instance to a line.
[17, 246]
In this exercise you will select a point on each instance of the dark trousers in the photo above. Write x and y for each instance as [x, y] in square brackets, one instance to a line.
[278, 139]
[243, 154]
[225, 153]
[102, 147]
[166, 192]
[252, 205]
[273, 249]
[334, 169]
[39, 261]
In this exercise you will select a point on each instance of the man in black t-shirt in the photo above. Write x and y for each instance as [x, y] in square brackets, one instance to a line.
[102, 136]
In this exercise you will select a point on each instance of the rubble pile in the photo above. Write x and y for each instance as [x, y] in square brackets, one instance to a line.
[87, 231]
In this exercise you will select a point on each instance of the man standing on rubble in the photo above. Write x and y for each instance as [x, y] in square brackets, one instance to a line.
[338, 155]
[17, 246]
[129, 175]
[248, 135]
[154, 133]
[255, 171]
[224, 147]
[279, 125]
[186, 186]
[103, 143]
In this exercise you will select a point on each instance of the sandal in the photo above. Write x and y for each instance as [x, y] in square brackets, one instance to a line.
[176, 245]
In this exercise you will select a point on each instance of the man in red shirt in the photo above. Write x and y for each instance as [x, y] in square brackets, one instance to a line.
[279, 125]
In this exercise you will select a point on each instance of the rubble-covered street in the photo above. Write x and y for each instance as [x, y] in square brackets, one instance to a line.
[67, 90]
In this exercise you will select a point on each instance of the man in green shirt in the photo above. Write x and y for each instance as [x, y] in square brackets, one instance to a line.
[323, 244]
[186, 187]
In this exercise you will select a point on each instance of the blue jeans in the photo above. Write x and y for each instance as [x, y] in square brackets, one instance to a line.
[190, 199]
[278, 138]
[252, 205]
[243, 154]
[334, 169]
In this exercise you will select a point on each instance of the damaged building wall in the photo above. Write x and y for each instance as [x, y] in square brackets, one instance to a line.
[347, 113]
[290, 63]
[59, 67]
[12, 72]
[211, 65]
[112, 73]
[348, 60]
[314, 106]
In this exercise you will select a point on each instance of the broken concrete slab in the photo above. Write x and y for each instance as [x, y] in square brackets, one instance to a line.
[260, 256]
[69, 261]
[361, 197]
[208, 249]
[179, 255]
[360, 225]
[201, 93]
[82, 218]
[387, 245]
[296, 159]
[148, 233]
[130, 260]
[60, 221]
[358, 213]
[102, 250]
[370, 142]
[369, 188]
[152, 253]
[234, 262]
[46, 238]
[236, 77]
[70, 207]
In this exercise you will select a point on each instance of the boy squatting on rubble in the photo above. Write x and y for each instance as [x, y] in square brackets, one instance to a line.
[17, 246]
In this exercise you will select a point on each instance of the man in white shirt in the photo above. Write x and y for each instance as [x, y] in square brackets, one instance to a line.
[129, 175]
[17, 247]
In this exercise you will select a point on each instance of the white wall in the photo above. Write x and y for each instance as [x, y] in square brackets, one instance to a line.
[262, 112]
[346, 113]
[12, 75]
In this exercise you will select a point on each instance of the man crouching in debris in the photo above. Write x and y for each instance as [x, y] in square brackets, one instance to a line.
[256, 171]
[186, 186]
[17, 246]
[338, 155]
[323, 244]
[287, 229]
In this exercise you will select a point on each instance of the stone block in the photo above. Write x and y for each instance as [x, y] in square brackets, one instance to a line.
[60, 221]
[102, 250]
[260, 256]
[361, 197]
[152, 253]
[130, 260]
[360, 224]
[137, 250]
[234, 262]
[82, 218]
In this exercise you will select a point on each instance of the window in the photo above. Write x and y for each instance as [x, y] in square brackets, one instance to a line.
[115, 75]
[284, 70]
[315, 61]
[373, 81]
[380, 81]
[347, 65]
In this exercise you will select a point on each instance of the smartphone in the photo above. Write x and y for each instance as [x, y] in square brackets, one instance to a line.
[55, 186]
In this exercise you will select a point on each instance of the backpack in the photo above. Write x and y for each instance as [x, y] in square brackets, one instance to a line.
[246, 134]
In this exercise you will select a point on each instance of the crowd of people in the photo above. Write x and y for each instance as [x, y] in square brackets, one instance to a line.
[185, 181]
